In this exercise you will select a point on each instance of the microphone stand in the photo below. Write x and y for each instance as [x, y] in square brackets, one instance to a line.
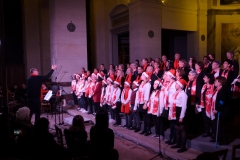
[62, 107]
[56, 100]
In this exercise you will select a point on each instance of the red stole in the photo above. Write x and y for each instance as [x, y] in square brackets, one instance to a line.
[175, 65]
[225, 73]
[173, 109]
[213, 102]
[208, 96]
[155, 103]
[125, 108]
[166, 102]
[128, 77]
[193, 91]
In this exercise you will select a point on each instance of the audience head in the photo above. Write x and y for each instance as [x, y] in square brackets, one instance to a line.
[41, 125]
[23, 114]
[206, 156]
[78, 123]
[102, 119]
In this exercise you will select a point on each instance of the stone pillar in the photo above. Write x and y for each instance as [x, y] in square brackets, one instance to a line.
[145, 16]
[197, 41]
[31, 35]
[68, 49]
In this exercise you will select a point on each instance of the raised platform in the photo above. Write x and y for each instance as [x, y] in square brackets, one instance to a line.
[196, 145]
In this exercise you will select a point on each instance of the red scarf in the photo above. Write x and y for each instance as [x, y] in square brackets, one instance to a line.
[128, 77]
[33, 75]
[193, 91]
[166, 102]
[208, 96]
[173, 109]
[125, 108]
[140, 93]
[163, 66]
[176, 65]
[154, 103]
[236, 91]
[213, 102]
[102, 102]
[109, 92]
[114, 97]
[145, 67]
[225, 73]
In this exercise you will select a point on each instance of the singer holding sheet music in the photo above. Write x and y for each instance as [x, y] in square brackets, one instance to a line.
[34, 84]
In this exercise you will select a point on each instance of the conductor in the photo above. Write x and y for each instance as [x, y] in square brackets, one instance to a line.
[34, 84]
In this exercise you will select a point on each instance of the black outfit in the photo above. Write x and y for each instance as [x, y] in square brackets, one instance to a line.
[34, 84]
[116, 112]
[235, 68]
[134, 76]
[102, 143]
[45, 147]
[24, 138]
[191, 117]
[222, 101]
[199, 85]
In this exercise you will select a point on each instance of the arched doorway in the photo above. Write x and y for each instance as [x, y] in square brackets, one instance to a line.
[119, 17]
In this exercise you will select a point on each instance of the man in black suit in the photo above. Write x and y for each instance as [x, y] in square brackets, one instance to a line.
[235, 67]
[34, 84]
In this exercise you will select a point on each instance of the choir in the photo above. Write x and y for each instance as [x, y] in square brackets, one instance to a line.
[166, 93]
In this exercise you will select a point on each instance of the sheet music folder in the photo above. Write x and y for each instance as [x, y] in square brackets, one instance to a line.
[48, 95]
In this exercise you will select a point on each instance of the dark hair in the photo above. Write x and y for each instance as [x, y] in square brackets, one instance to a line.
[78, 123]
[218, 62]
[231, 52]
[201, 65]
[206, 57]
[137, 60]
[213, 55]
[221, 80]
[229, 62]
[101, 120]
[206, 156]
[210, 77]
[180, 71]
[41, 125]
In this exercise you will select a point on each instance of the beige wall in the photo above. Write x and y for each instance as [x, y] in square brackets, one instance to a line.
[31, 35]
[101, 36]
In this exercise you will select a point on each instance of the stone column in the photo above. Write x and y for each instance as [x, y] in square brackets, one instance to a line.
[68, 49]
[144, 17]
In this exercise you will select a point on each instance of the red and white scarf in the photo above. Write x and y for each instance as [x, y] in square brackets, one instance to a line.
[102, 97]
[213, 102]
[193, 91]
[125, 108]
[154, 103]
[114, 97]
[173, 109]
[166, 102]
[128, 77]
[108, 93]
[225, 73]
[140, 93]
[208, 96]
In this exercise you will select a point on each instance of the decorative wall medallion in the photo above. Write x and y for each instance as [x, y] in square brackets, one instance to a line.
[202, 37]
[71, 27]
[150, 34]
